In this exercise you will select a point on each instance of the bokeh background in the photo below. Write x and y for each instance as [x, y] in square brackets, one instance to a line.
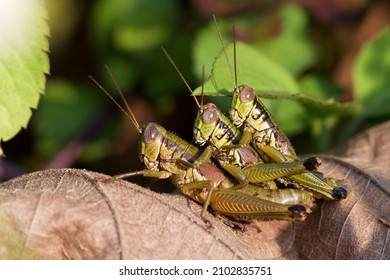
[76, 125]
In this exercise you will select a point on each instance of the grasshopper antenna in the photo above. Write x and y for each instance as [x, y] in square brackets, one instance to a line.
[234, 76]
[133, 119]
[235, 58]
[201, 99]
[129, 114]
[180, 74]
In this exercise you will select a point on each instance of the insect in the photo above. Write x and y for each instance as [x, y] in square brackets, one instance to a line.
[215, 129]
[166, 155]
[260, 130]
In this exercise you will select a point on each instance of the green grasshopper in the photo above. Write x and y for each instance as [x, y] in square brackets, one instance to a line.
[166, 155]
[214, 128]
[260, 130]
[208, 131]
[241, 162]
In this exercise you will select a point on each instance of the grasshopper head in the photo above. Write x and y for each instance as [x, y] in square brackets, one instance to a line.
[243, 100]
[205, 123]
[149, 145]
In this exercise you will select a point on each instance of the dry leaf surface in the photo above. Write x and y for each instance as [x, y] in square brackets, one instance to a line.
[78, 214]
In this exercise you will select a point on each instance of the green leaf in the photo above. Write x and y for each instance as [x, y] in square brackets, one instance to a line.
[293, 35]
[271, 81]
[253, 68]
[371, 76]
[23, 62]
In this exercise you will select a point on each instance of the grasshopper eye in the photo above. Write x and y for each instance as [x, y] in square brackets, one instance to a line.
[151, 133]
[247, 94]
[209, 115]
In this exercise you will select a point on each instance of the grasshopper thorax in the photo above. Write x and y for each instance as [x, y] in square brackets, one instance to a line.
[242, 104]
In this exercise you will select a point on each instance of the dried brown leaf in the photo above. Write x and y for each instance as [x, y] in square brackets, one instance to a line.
[78, 214]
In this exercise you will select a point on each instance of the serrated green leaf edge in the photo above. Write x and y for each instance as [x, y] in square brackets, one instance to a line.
[24, 60]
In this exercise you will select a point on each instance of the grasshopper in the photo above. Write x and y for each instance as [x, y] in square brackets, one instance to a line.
[213, 127]
[222, 138]
[166, 155]
[260, 130]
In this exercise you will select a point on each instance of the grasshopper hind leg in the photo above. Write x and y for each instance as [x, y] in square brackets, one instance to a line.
[323, 187]
[245, 207]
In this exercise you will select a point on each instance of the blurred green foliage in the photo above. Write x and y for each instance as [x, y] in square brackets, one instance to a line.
[60, 117]
[371, 68]
[285, 49]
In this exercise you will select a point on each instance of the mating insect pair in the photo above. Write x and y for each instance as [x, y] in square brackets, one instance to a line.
[259, 157]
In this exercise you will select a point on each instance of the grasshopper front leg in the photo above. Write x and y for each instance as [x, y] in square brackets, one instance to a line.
[146, 173]
[233, 170]
[200, 191]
